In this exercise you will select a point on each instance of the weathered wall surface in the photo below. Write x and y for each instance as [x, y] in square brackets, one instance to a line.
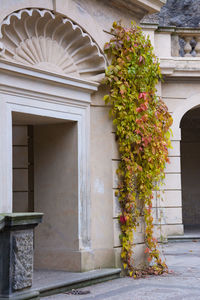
[96, 17]
[180, 174]
[101, 182]
[180, 91]
[105, 206]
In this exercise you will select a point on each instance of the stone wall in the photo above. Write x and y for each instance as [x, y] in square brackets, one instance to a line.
[104, 149]
[20, 169]
[95, 18]
[177, 94]
[180, 91]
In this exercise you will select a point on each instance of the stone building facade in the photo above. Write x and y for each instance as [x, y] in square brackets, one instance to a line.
[58, 153]
[175, 34]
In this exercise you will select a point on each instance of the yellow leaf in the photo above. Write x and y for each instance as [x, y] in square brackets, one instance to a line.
[125, 266]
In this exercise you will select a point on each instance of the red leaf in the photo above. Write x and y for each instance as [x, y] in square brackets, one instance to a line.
[138, 109]
[122, 220]
[143, 95]
[138, 131]
[149, 259]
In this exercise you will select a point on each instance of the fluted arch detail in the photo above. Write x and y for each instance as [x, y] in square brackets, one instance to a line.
[49, 41]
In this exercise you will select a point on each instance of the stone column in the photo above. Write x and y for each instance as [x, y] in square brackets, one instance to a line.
[16, 255]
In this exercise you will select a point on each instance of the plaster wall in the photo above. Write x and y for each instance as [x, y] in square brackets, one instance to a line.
[105, 207]
[55, 191]
[101, 186]
[95, 17]
[177, 94]
[56, 194]
[167, 205]
[163, 44]
[180, 91]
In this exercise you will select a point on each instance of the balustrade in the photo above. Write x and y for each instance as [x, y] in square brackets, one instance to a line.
[188, 41]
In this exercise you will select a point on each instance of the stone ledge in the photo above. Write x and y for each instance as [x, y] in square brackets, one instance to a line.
[74, 280]
[180, 67]
[20, 219]
[151, 6]
[183, 238]
[2, 222]
[32, 295]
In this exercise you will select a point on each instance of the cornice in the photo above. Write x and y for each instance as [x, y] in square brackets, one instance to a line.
[31, 72]
[180, 67]
[151, 6]
[138, 8]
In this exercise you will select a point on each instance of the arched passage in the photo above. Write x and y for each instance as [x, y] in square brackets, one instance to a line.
[190, 166]
[190, 105]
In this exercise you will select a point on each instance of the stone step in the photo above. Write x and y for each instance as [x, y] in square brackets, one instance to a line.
[184, 238]
[56, 282]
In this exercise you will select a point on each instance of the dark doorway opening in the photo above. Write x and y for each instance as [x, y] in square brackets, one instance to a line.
[190, 170]
[23, 168]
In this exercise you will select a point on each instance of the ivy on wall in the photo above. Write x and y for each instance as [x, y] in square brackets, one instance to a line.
[142, 123]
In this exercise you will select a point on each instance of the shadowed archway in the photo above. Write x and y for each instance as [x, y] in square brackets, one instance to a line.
[190, 166]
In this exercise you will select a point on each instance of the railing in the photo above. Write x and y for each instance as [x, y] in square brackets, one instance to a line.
[188, 42]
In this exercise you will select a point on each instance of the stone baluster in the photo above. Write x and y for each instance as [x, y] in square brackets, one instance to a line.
[197, 48]
[187, 47]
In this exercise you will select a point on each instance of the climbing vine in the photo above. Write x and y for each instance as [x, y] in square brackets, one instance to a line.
[142, 123]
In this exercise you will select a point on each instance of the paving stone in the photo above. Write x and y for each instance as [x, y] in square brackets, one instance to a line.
[182, 283]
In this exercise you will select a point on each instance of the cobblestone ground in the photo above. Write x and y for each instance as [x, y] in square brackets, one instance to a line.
[182, 283]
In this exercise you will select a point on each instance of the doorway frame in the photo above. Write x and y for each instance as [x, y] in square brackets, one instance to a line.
[179, 112]
[31, 91]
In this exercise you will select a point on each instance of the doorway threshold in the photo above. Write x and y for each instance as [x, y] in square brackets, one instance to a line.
[49, 282]
[190, 233]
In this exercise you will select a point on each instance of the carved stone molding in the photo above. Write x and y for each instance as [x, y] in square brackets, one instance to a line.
[44, 40]
[16, 255]
[22, 260]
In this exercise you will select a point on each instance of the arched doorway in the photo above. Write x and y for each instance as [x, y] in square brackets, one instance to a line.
[190, 169]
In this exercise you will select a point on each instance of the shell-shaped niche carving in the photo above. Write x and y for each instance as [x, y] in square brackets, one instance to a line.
[44, 40]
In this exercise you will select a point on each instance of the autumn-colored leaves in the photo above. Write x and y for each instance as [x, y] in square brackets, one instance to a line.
[142, 126]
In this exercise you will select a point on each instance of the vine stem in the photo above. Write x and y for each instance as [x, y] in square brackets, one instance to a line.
[108, 32]
[142, 124]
